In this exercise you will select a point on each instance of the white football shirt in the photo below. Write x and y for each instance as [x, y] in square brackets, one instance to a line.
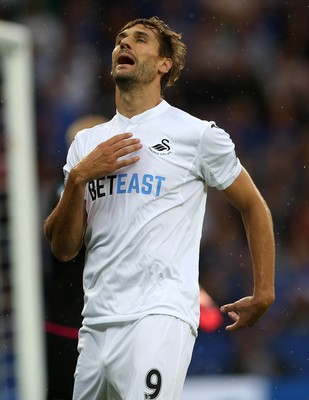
[145, 221]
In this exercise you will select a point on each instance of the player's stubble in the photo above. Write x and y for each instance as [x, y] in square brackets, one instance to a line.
[142, 73]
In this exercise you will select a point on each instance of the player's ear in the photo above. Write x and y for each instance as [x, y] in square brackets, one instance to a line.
[165, 65]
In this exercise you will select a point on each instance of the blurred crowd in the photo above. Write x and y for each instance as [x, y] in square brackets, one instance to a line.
[248, 70]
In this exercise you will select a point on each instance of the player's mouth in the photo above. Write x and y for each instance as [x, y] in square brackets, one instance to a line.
[125, 59]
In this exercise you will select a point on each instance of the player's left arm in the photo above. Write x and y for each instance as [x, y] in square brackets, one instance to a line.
[257, 221]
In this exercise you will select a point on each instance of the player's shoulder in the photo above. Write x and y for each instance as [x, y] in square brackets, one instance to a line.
[206, 132]
[184, 118]
[182, 114]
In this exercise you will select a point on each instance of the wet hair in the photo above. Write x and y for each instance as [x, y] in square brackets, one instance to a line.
[170, 46]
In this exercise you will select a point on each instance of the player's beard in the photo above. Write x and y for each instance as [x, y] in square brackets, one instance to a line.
[142, 74]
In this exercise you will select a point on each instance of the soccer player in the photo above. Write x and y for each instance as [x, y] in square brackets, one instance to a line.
[135, 193]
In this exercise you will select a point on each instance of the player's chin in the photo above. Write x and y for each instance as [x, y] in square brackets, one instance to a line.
[120, 75]
[122, 70]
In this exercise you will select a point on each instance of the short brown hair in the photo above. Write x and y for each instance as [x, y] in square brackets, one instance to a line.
[170, 45]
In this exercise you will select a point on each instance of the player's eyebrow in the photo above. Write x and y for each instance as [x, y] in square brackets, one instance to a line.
[124, 34]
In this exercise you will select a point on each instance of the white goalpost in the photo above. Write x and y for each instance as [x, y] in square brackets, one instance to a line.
[23, 207]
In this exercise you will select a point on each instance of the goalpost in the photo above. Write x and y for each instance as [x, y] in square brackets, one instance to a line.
[23, 208]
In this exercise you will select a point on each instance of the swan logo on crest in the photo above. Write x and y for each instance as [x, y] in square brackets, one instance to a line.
[162, 149]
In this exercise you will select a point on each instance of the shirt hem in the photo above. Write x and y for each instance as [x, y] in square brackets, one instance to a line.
[115, 319]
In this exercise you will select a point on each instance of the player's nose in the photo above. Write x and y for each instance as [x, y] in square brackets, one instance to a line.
[125, 43]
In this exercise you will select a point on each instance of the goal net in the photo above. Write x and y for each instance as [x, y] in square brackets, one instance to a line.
[22, 362]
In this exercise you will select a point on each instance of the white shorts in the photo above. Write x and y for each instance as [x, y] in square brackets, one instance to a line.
[138, 360]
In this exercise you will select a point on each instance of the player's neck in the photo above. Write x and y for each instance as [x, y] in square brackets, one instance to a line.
[136, 101]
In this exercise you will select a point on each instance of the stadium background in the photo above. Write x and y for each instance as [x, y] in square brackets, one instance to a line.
[247, 69]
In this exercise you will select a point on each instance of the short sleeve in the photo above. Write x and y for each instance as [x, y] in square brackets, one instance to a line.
[74, 155]
[217, 163]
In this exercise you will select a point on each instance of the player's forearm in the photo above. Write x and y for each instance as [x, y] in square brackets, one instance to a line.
[65, 226]
[259, 229]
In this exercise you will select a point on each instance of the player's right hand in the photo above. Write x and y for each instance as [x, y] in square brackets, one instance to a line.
[108, 157]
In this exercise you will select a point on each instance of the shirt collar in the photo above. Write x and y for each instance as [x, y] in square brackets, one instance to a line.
[146, 115]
